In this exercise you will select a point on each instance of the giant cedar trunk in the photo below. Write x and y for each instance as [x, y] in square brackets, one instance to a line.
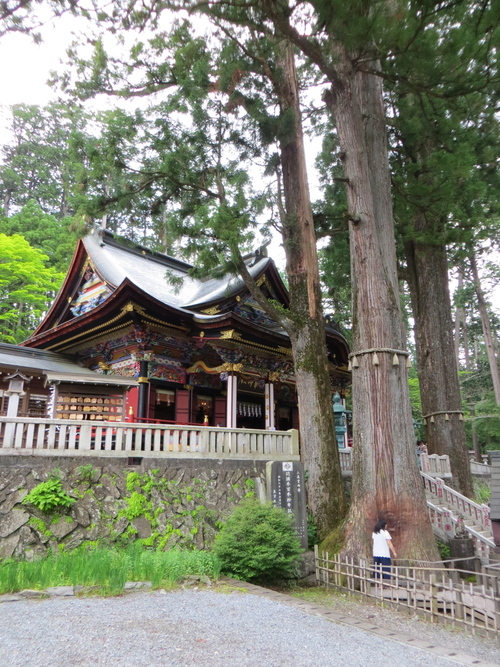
[437, 368]
[386, 480]
[317, 428]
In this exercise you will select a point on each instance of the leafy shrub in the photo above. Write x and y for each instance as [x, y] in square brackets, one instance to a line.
[86, 472]
[258, 543]
[444, 550]
[48, 496]
[482, 492]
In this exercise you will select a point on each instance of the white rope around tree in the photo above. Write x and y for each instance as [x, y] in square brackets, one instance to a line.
[354, 363]
[446, 414]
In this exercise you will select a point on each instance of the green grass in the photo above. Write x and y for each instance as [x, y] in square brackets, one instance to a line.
[108, 569]
[482, 492]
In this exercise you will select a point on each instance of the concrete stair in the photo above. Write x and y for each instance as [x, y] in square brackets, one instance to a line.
[468, 523]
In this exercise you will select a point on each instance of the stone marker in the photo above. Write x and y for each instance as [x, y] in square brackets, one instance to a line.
[285, 489]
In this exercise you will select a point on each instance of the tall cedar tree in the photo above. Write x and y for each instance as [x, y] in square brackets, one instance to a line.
[386, 480]
[373, 31]
[439, 140]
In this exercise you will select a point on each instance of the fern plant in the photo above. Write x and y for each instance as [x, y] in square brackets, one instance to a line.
[49, 496]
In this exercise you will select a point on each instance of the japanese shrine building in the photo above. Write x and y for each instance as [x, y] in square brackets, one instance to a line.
[203, 352]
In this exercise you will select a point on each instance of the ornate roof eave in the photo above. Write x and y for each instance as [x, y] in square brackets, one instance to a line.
[278, 337]
[60, 304]
[219, 306]
[218, 327]
[128, 302]
[334, 336]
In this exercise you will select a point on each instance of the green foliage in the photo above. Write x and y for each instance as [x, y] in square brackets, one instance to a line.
[133, 480]
[40, 526]
[145, 490]
[249, 487]
[479, 405]
[137, 505]
[312, 531]
[108, 569]
[416, 403]
[258, 543]
[49, 496]
[86, 472]
[444, 550]
[37, 164]
[54, 238]
[27, 287]
[482, 492]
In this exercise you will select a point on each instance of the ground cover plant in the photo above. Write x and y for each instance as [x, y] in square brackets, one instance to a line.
[108, 569]
[258, 543]
[49, 496]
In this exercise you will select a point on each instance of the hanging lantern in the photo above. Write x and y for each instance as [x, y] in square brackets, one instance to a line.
[432, 419]
[349, 366]
[395, 360]
[425, 422]
[408, 362]
[375, 360]
[446, 418]
[460, 417]
[355, 362]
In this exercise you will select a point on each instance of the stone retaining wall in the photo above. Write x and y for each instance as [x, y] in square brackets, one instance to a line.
[164, 503]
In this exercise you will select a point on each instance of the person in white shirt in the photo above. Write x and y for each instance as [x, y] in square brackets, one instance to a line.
[382, 548]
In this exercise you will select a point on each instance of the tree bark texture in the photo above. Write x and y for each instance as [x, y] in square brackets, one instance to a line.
[386, 480]
[319, 449]
[485, 322]
[462, 319]
[427, 266]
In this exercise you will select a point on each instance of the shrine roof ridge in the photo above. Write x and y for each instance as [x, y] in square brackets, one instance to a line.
[109, 238]
[117, 259]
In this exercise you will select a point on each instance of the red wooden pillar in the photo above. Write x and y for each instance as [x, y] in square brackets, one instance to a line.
[131, 403]
[220, 411]
[183, 406]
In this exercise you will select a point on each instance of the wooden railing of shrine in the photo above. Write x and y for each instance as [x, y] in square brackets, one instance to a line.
[57, 437]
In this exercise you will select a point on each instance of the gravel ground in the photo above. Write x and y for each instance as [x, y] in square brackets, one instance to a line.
[195, 628]
[457, 639]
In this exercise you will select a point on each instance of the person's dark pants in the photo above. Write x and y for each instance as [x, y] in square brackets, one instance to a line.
[382, 567]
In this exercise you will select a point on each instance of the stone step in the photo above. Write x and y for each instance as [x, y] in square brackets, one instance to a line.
[470, 523]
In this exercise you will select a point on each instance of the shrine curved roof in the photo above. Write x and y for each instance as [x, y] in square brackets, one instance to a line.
[147, 270]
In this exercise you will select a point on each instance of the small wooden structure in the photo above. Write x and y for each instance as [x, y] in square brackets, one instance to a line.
[55, 383]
